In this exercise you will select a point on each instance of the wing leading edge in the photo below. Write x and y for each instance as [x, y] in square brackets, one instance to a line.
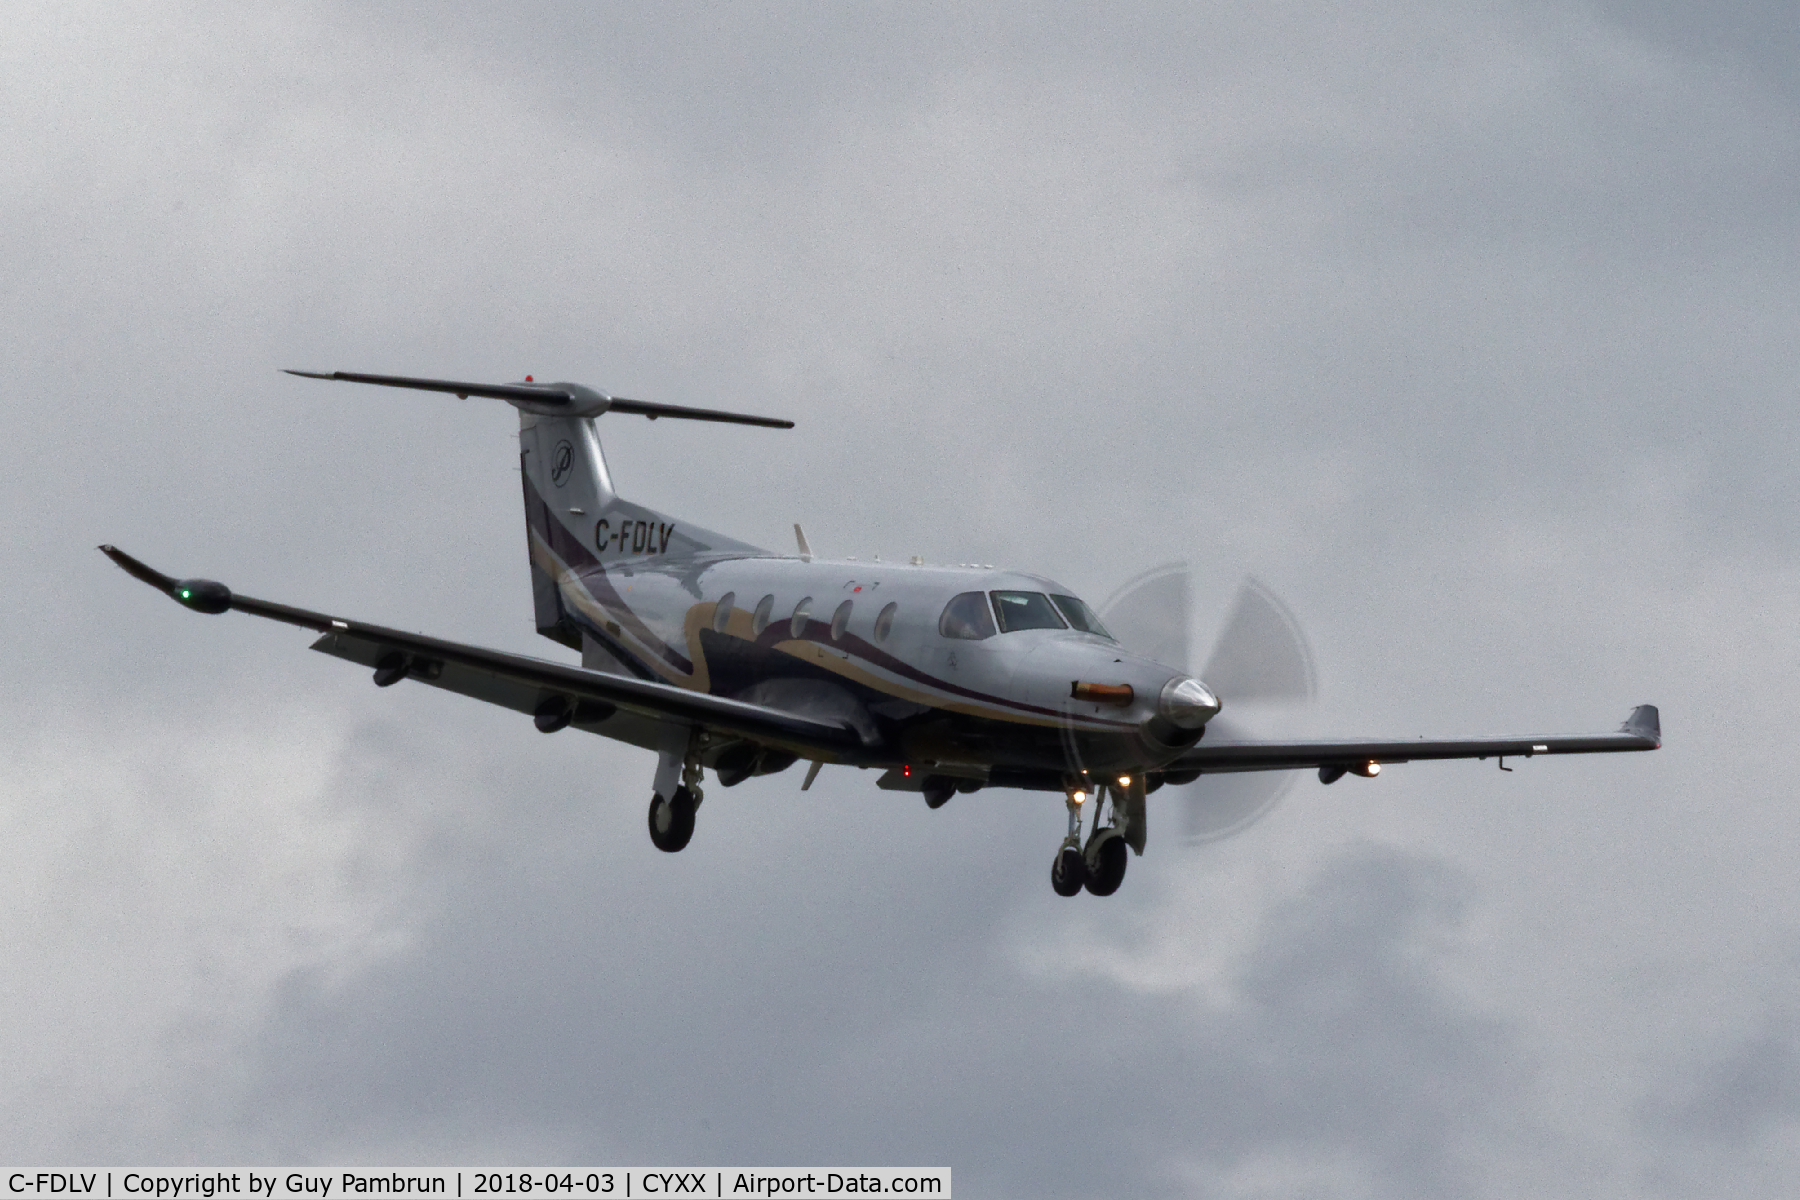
[514, 681]
[1641, 731]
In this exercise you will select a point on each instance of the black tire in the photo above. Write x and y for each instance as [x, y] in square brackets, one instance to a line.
[672, 821]
[1106, 860]
[1068, 872]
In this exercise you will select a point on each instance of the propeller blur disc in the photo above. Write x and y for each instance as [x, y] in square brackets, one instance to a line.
[1215, 807]
[1150, 615]
[1261, 654]
[1260, 661]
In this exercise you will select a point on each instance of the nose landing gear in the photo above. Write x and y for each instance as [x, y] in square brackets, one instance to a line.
[1069, 871]
[1106, 859]
[1100, 866]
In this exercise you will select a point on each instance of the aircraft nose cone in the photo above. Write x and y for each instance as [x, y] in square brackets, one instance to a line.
[1187, 703]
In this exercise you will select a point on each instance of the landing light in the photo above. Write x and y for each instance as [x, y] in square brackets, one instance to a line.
[1124, 781]
[1078, 797]
[1102, 693]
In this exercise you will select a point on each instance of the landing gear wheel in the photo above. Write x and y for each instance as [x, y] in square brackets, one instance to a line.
[672, 821]
[1068, 872]
[1106, 859]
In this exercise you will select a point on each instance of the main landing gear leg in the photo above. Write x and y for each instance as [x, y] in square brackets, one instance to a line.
[1069, 871]
[672, 804]
[1106, 855]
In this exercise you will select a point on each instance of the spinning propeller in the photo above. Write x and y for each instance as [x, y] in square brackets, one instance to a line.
[1260, 667]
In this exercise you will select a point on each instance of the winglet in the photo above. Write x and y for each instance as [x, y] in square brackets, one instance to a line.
[201, 595]
[1644, 722]
[141, 571]
[800, 537]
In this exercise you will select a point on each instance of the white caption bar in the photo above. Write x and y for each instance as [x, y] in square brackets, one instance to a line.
[462, 1183]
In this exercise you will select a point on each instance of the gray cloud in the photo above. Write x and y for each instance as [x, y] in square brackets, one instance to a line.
[861, 1033]
[1749, 1089]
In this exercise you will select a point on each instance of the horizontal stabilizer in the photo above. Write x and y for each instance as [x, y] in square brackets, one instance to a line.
[552, 399]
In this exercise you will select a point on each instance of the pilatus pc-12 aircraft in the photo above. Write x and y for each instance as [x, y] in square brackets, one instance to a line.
[722, 656]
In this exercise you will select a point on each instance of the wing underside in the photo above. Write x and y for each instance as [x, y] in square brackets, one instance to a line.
[1641, 731]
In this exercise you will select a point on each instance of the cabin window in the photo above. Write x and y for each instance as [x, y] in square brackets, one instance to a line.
[840, 621]
[1025, 610]
[722, 613]
[760, 621]
[797, 626]
[967, 616]
[884, 623]
[1081, 616]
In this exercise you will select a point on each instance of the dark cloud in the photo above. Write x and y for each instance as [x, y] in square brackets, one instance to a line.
[1758, 36]
[1723, 1112]
[1750, 1089]
[1737, 1083]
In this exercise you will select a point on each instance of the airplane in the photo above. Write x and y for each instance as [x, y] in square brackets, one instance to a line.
[719, 655]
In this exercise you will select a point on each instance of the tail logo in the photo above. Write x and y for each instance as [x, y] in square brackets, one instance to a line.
[561, 461]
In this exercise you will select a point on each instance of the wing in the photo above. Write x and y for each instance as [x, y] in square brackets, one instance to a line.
[1641, 731]
[591, 699]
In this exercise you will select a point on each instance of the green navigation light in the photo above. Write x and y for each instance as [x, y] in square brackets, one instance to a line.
[201, 595]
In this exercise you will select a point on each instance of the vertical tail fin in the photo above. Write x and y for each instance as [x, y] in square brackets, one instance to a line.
[576, 523]
[567, 487]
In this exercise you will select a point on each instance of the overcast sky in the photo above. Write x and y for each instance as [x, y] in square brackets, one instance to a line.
[1469, 328]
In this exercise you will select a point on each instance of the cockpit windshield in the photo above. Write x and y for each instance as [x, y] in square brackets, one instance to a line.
[1025, 610]
[1081, 616]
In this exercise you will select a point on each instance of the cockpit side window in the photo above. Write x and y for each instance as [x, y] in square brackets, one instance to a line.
[967, 616]
[1081, 616]
[1025, 610]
